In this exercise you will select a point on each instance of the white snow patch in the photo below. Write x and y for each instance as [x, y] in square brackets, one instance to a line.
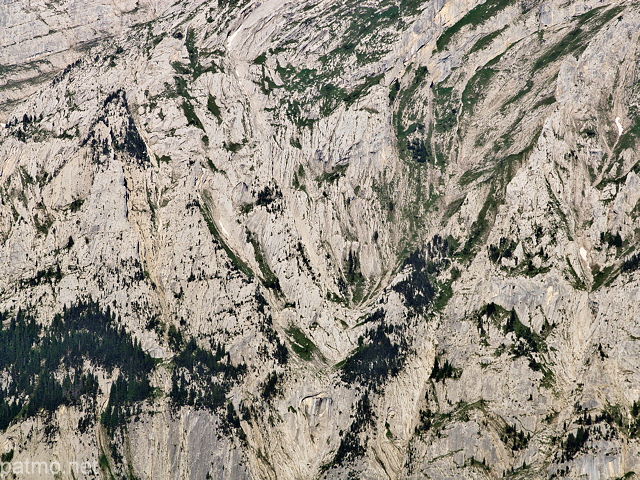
[619, 125]
[233, 35]
[550, 296]
[583, 254]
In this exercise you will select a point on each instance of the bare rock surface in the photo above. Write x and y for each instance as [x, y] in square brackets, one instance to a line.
[339, 239]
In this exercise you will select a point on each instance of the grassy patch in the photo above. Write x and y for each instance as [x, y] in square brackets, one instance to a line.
[444, 370]
[331, 96]
[452, 209]
[377, 358]
[480, 228]
[103, 463]
[194, 56]
[527, 88]
[206, 214]
[460, 412]
[491, 312]
[576, 281]
[301, 344]
[603, 277]
[350, 447]
[629, 138]
[76, 205]
[470, 176]
[414, 141]
[545, 102]
[503, 171]
[295, 143]
[334, 175]
[233, 147]
[308, 86]
[486, 40]
[504, 249]
[354, 277]
[269, 279]
[445, 109]
[213, 107]
[371, 29]
[190, 114]
[422, 288]
[577, 40]
[394, 88]
[574, 42]
[475, 88]
[475, 17]
[299, 178]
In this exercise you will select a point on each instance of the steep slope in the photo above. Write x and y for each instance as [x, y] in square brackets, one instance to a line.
[329, 240]
[39, 38]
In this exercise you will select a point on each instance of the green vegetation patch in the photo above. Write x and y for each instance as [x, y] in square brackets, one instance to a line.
[631, 133]
[550, 100]
[461, 412]
[371, 30]
[514, 438]
[577, 40]
[82, 332]
[380, 355]
[351, 447]
[269, 279]
[445, 108]
[299, 179]
[475, 88]
[422, 288]
[475, 17]
[354, 278]
[631, 264]
[503, 171]
[414, 140]
[574, 278]
[444, 370]
[487, 40]
[190, 114]
[603, 276]
[213, 108]
[202, 378]
[195, 67]
[334, 175]
[301, 344]
[531, 341]
[470, 176]
[367, 36]
[504, 249]
[519, 95]
[314, 87]
[525, 266]
[235, 260]
[452, 209]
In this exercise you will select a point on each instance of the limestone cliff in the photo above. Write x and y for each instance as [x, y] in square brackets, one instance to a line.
[293, 240]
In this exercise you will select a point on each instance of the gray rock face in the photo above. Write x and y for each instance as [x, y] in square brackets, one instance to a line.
[39, 38]
[329, 240]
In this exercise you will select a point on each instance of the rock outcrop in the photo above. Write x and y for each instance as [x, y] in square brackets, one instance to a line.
[39, 38]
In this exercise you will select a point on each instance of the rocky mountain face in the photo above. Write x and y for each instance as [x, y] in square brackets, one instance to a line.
[333, 239]
[39, 38]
